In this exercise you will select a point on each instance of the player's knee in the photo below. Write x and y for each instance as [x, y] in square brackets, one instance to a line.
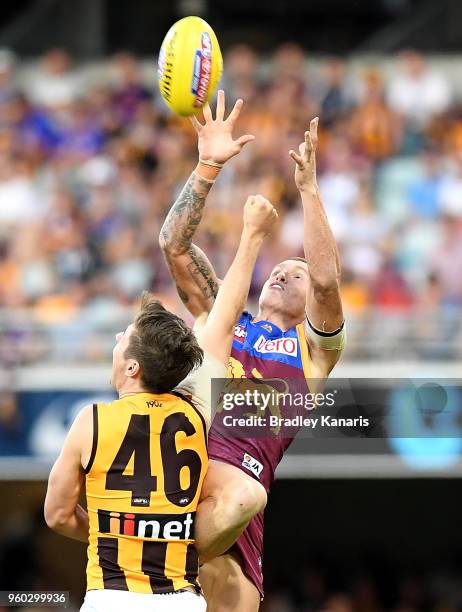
[253, 498]
[245, 501]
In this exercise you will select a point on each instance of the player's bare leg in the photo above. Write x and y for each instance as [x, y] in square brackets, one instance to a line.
[227, 588]
[229, 500]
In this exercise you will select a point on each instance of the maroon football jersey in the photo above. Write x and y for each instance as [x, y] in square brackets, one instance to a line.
[262, 351]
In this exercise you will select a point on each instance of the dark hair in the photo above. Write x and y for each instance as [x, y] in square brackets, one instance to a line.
[164, 346]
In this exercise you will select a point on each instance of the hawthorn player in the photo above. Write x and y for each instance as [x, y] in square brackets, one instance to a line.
[143, 457]
[300, 302]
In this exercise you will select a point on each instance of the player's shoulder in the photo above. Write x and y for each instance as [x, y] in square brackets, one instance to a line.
[197, 386]
[81, 431]
[210, 368]
[84, 416]
[244, 327]
[245, 318]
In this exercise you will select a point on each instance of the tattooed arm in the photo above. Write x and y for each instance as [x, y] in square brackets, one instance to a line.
[195, 278]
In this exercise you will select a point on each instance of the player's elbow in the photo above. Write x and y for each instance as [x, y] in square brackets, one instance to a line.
[168, 245]
[56, 523]
[56, 518]
[51, 519]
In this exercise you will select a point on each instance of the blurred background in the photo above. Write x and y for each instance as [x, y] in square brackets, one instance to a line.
[90, 162]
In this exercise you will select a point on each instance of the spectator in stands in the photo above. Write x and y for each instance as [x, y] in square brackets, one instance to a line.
[19, 196]
[339, 187]
[65, 238]
[424, 193]
[446, 263]
[416, 91]
[36, 132]
[450, 193]
[37, 275]
[130, 90]
[130, 270]
[335, 102]
[391, 292]
[374, 128]
[366, 230]
[79, 135]
[54, 85]
[289, 64]
[241, 77]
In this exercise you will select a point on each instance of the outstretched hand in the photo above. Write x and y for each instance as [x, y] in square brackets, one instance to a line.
[305, 169]
[215, 140]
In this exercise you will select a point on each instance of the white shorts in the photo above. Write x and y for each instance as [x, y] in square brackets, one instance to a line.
[110, 600]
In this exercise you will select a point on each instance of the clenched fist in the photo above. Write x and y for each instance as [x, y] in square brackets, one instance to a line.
[259, 215]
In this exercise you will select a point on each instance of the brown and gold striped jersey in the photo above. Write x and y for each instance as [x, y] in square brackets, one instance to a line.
[143, 483]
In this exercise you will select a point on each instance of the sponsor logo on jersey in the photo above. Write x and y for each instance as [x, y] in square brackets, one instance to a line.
[239, 333]
[285, 346]
[252, 465]
[150, 526]
[140, 501]
[202, 70]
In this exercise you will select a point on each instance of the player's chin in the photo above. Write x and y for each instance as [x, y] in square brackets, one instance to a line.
[272, 297]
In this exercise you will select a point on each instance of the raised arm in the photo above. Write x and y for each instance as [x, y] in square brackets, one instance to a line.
[215, 332]
[324, 327]
[195, 278]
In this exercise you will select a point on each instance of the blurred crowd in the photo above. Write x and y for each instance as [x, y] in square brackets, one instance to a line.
[89, 167]
[318, 588]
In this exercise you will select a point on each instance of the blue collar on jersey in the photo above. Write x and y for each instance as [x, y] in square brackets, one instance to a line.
[269, 326]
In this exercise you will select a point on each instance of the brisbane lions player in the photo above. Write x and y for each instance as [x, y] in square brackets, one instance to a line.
[299, 303]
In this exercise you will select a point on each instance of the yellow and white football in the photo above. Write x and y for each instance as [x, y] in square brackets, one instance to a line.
[190, 65]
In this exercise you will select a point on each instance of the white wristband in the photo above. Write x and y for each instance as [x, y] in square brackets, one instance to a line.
[211, 163]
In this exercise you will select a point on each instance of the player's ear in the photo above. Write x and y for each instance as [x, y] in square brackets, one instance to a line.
[132, 368]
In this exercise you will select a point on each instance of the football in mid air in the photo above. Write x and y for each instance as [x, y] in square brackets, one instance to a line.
[190, 65]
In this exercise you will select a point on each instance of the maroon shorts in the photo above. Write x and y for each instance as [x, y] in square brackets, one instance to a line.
[249, 549]
[256, 458]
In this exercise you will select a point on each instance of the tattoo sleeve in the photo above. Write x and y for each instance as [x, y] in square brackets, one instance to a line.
[185, 215]
[201, 271]
[195, 278]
